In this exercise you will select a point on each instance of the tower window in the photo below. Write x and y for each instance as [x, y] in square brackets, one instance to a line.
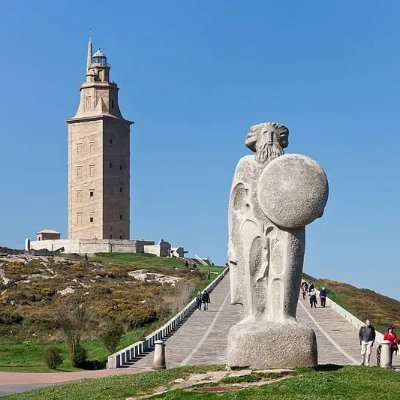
[110, 164]
[78, 148]
[110, 235]
[111, 141]
[79, 196]
[91, 170]
[112, 103]
[120, 217]
[79, 172]
[120, 236]
[88, 102]
[91, 218]
[91, 147]
[91, 194]
[120, 189]
[120, 167]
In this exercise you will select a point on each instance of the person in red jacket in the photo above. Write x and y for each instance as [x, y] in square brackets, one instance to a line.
[392, 338]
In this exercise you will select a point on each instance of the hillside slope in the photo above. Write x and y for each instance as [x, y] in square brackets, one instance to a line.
[136, 289]
[382, 310]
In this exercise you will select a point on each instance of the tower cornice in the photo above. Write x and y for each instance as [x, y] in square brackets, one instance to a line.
[97, 117]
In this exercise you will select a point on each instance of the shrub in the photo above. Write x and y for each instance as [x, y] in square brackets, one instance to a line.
[52, 357]
[112, 336]
[73, 323]
[80, 357]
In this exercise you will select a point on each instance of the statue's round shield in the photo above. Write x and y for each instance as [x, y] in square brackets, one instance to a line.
[292, 190]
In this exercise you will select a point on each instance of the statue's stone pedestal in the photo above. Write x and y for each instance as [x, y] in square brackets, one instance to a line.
[271, 345]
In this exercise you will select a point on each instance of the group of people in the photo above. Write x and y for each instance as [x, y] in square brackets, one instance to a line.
[312, 294]
[367, 338]
[203, 299]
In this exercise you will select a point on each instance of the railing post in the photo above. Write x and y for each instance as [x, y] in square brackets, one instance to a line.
[386, 355]
[159, 355]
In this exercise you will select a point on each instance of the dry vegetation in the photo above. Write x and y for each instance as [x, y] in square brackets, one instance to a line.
[383, 311]
[34, 289]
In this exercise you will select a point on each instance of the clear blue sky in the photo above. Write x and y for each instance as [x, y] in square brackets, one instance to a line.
[194, 76]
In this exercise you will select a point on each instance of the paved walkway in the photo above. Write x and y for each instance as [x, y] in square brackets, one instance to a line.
[202, 339]
[13, 378]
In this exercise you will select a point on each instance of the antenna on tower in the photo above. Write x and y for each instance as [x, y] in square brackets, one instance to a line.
[89, 52]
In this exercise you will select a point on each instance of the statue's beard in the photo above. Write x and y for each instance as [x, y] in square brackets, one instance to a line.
[268, 152]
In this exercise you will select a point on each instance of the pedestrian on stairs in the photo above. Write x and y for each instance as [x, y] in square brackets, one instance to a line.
[322, 296]
[367, 339]
[304, 289]
[313, 298]
[199, 300]
[206, 300]
[393, 339]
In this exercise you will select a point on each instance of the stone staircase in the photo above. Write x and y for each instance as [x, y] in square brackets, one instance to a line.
[202, 339]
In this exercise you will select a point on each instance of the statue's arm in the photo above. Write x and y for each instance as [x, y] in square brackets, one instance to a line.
[236, 214]
[236, 217]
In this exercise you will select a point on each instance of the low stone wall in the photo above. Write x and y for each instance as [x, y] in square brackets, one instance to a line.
[350, 317]
[125, 357]
[90, 246]
[162, 249]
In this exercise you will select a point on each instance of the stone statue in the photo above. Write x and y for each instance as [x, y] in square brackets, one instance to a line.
[273, 197]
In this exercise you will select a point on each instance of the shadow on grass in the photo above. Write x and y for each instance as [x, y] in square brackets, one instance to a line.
[328, 367]
[94, 364]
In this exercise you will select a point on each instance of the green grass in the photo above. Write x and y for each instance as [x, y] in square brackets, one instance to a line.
[140, 260]
[27, 355]
[327, 383]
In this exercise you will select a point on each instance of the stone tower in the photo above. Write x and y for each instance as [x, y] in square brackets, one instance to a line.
[98, 158]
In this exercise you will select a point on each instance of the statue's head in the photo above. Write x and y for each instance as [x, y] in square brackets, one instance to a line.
[267, 140]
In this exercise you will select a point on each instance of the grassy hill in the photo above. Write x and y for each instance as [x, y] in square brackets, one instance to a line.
[139, 290]
[383, 311]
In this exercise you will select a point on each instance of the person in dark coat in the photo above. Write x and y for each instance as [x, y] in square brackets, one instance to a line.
[322, 296]
[206, 300]
[367, 339]
[313, 298]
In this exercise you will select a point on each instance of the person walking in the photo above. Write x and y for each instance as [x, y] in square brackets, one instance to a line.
[206, 300]
[304, 289]
[199, 300]
[392, 338]
[322, 296]
[313, 298]
[367, 339]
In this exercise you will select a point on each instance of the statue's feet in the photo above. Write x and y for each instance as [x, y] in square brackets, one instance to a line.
[262, 345]
[289, 320]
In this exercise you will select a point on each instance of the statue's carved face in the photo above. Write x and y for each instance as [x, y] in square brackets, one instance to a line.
[261, 134]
